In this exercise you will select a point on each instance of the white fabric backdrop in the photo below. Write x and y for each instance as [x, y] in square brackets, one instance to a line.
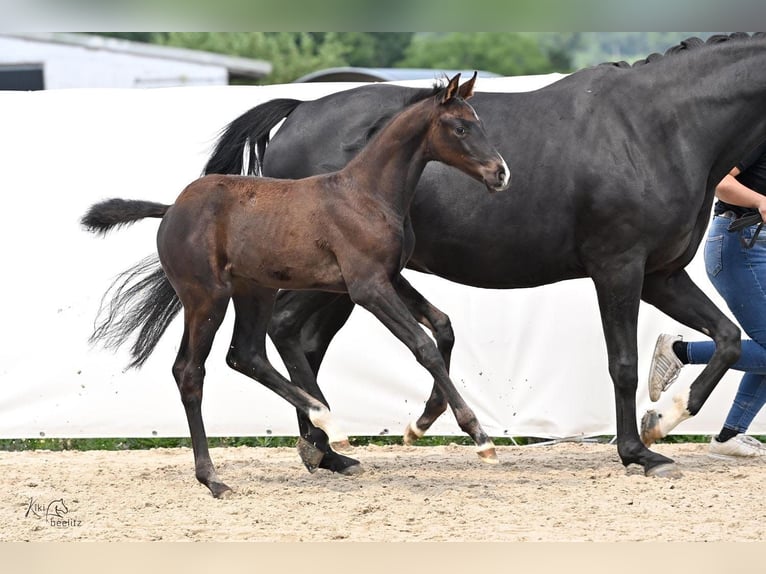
[530, 362]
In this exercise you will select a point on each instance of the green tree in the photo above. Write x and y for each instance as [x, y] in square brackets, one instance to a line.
[508, 54]
[291, 54]
[368, 49]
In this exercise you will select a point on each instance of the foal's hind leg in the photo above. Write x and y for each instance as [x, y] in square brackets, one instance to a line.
[202, 318]
[247, 354]
[378, 296]
[677, 296]
[440, 326]
[302, 326]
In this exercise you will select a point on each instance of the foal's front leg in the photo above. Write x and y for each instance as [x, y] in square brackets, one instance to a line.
[377, 295]
[441, 327]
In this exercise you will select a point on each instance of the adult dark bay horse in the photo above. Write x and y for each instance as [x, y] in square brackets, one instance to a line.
[231, 237]
[615, 169]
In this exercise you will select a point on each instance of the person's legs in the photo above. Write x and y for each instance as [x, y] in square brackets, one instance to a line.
[739, 275]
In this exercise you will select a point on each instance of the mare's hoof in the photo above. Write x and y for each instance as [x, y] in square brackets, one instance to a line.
[410, 435]
[650, 427]
[352, 470]
[342, 446]
[344, 465]
[220, 490]
[667, 470]
[488, 455]
[310, 455]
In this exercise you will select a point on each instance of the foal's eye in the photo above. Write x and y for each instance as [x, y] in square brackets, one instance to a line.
[460, 130]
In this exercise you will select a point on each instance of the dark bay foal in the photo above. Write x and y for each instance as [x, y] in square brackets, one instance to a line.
[244, 238]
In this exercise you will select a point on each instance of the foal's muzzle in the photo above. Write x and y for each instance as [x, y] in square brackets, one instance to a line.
[497, 176]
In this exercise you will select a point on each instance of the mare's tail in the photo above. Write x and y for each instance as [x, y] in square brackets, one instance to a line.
[142, 299]
[248, 136]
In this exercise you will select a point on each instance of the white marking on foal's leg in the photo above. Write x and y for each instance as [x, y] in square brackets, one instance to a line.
[487, 453]
[676, 414]
[322, 418]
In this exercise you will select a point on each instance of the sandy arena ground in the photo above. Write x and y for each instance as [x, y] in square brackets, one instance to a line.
[564, 492]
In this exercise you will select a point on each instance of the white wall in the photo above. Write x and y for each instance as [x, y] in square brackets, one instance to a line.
[62, 150]
[69, 66]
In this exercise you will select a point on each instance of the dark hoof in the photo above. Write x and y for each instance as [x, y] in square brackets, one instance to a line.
[352, 470]
[344, 465]
[667, 470]
[310, 454]
[650, 427]
[220, 490]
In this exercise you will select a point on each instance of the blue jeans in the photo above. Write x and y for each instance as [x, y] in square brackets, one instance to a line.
[739, 275]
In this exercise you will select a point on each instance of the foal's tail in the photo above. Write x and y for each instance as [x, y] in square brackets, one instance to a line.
[142, 299]
[101, 217]
[248, 135]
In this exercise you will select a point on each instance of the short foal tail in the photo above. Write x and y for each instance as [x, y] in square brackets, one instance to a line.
[248, 134]
[142, 299]
[103, 216]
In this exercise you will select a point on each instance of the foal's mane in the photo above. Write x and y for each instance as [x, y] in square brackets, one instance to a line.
[689, 44]
[411, 98]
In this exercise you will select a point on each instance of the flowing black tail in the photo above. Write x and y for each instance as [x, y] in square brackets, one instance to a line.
[142, 299]
[248, 134]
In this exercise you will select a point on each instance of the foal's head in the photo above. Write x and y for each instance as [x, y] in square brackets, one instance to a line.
[457, 137]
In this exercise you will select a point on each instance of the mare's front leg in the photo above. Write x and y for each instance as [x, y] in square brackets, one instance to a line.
[302, 327]
[375, 293]
[678, 296]
[441, 327]
[618, 287]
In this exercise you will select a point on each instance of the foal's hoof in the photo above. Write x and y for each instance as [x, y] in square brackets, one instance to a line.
[488, 455]
[342, 446]
[650, 427]
[411, 435]
[667, 470]
[310, 455]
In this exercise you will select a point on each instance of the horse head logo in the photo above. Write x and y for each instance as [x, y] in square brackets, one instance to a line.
[56, 508]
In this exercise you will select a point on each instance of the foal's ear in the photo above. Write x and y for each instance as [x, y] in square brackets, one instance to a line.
[466, 90]
[452, 89]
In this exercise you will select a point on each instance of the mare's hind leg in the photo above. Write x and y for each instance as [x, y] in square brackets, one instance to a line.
[202, 318]
[677, 296]
[302, 326]
[247, 354]
[618, 288]
[440, 326]
[377, 295]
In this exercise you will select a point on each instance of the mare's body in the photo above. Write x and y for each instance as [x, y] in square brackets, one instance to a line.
[614, 176]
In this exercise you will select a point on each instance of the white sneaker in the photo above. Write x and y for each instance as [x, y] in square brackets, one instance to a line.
[737, 447]
[665, 366]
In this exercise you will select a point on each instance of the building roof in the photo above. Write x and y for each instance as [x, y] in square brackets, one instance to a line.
[350, 74]
[246, 67]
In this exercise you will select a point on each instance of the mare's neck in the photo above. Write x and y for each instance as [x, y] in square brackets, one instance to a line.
[391, 164]
[717, 94]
